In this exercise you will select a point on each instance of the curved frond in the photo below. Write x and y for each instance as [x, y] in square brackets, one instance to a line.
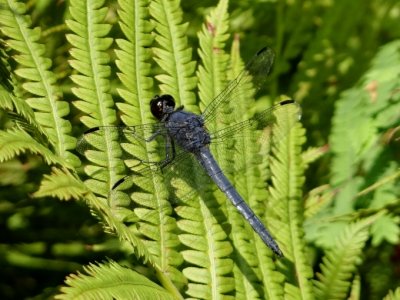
[15, 141]
[214, 61]
[5, 72]
[111, 281]
[133, 62]
[339, 263]
[362, 115]
[255, 271]
[89, 45]
[90, 59]
[285, 215]
[173, 54]
[157, 227]
[39, 82]
[393, 295]
[61, 184]
[202, 218]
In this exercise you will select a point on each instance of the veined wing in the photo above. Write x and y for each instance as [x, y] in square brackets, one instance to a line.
[249, 81]
[135, 144]
[145, 149]
[288, 109]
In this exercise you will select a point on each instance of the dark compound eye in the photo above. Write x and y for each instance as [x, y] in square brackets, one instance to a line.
[160, 105]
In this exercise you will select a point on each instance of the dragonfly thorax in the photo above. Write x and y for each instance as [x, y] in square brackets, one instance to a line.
[188, 130]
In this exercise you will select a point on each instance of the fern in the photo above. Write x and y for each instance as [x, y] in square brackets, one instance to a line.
[133, 62]
[157, 226]
[89, 45]
[96, 102]
[355, 288]
[45, 97]
[284, 209]
[393, 295]
[255, 272]
[358, 127]
[61, 184]
[111, 281]
[201, 218]
[172, 53]
[14, 142]
[339, 264]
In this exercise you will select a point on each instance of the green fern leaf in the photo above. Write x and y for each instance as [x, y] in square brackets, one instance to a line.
[362, 115]
[89, 46]
[157, 227]
[314, 153]
[393, 295]
[201, 217]
[61, 184]
[14, 142]
[355, 292]
[111, 281]
[284, 209]
[5, 73]
[212, 39]
[133, 62]
[339, 264]
[43, 95]
[251, 254]
[89, 59]
[173, 54]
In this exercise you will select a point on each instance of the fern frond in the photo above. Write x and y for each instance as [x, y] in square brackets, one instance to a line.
[111, 281]
[212, 39]
[314, 153]
[173, 54]
[201, 220]
[393, 295]
[133, 62]
[45, 96]
[5, 71]
[284, 210]
[251, 255]
[339, 263]
[90, 43]
[15, 141]
[363, 113]
[61, 184]
[90, 58]
[157, 227]
[318, 199]
[355, 292]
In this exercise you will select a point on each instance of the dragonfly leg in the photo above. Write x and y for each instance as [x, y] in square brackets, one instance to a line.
[153, 136]
[169, 151]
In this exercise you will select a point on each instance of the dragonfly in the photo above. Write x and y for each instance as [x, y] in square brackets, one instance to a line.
[181, 134]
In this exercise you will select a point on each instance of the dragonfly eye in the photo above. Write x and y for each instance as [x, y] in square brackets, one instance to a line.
[161, 105]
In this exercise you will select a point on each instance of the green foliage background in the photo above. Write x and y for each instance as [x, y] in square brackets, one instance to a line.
[332, 195]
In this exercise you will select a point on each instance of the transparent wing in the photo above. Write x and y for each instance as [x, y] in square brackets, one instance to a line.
[246, 84]
[288, 109]
[182, 177]
[146, 150]
[138, 143]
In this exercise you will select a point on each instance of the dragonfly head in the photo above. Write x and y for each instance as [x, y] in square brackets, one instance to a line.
[162, 106]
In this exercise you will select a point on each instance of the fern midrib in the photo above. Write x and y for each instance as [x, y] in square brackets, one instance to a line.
[60, 142]
[178, 73]
[293, 212]
[164, 265]
[100, 95]
[210, 238]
